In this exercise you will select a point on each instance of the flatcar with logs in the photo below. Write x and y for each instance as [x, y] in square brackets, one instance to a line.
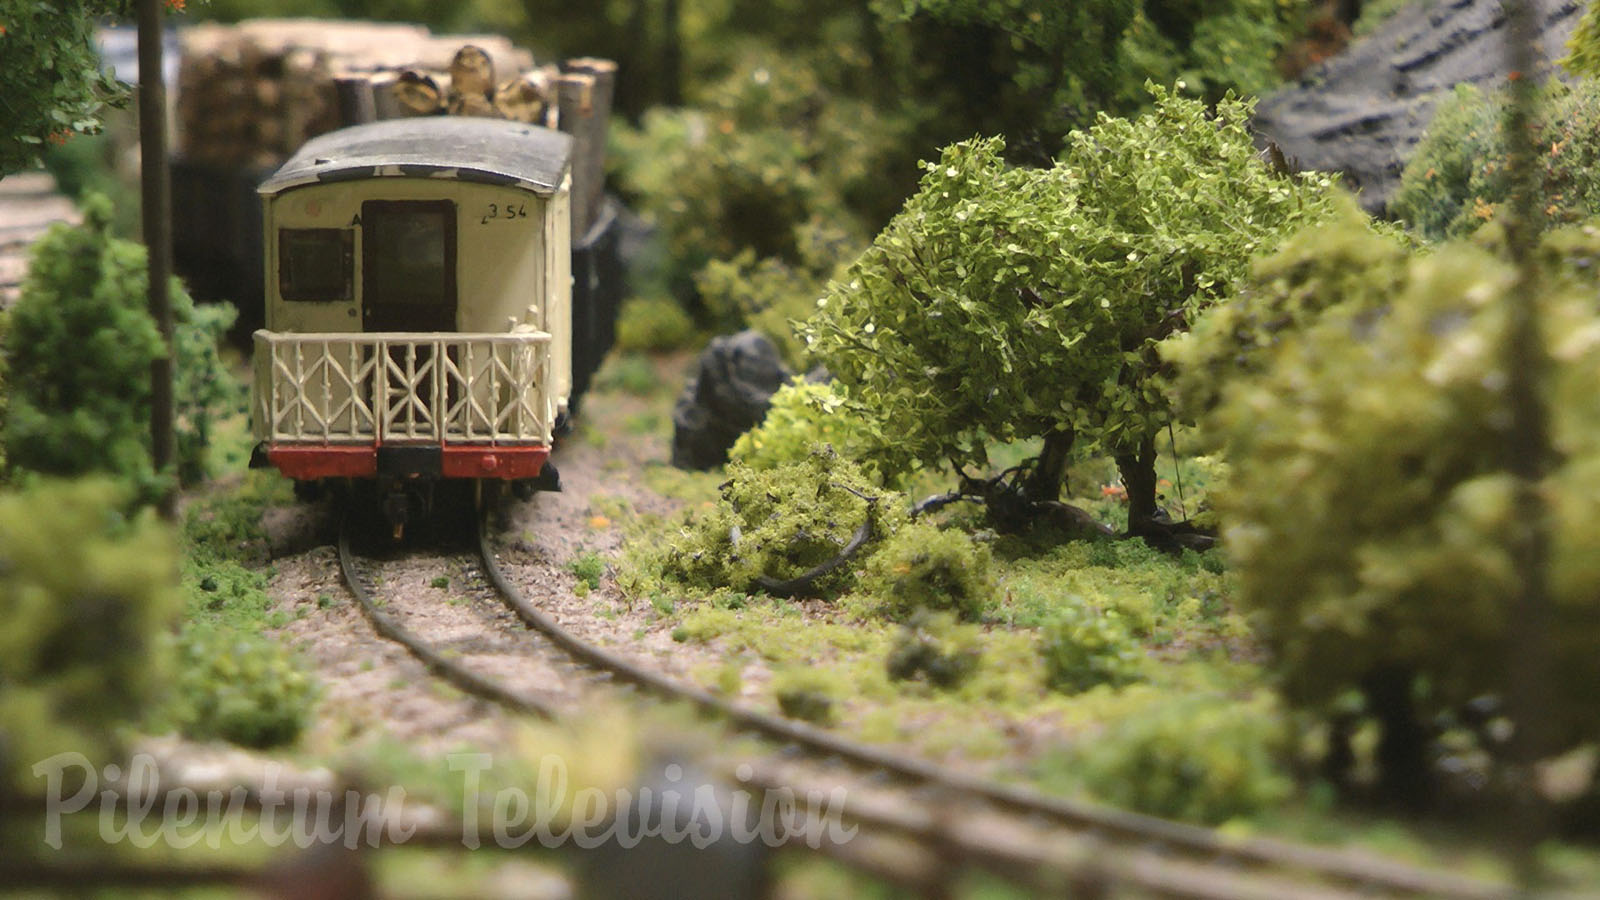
[429, 316]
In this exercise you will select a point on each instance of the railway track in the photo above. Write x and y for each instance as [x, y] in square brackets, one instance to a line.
[934, 816]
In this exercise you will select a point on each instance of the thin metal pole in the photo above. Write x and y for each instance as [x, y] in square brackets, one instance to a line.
[157, 227]
[1528, 455]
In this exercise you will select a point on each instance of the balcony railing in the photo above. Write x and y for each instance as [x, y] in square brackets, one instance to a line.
[402, 388]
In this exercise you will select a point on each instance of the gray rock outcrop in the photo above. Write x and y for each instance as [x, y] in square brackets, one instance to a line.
[729, 395]
[1362, 112]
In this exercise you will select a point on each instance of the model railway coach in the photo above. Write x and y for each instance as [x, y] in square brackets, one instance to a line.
[427, 316]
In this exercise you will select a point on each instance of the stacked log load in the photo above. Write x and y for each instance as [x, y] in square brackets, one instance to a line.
[250, 94]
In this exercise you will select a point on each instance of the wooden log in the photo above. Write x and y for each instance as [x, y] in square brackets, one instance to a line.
[585, 93]
[357, 105]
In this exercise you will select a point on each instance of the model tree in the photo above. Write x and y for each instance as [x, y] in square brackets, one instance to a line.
[1007, 303]
[78, 348]
[56, 86]
[1370, 516]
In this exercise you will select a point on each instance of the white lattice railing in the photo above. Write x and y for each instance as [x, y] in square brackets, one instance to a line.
[406, 388]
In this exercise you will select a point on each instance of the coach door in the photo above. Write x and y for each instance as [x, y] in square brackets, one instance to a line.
[408, 265]
[408, 276]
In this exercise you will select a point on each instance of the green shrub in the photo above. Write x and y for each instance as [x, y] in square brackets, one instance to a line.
[79, 348]
[653, 324]
[1457, 179]
[1084, 647]
[925, 568]
[1347, 257]
[1202, 759]
[933, 647]
[807, 694]
[235, 683]
[588, 569]
[802, 415]
[779, 524]
[87, 596]
[1369, 522]
[241, 687]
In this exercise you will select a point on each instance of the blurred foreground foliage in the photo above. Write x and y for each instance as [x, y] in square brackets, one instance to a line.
[78, 348]
[89, 596]
[1370, 511]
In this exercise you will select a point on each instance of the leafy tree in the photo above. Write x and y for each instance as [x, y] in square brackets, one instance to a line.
[79, 350]
[1457, 180]
[1009, 303]
[86, 595]
[55, 86]
[1369, 520]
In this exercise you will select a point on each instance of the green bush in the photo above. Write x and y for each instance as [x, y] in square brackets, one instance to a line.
[235, 684]
[87, 596]
[653, 325]
[935, 648]
[1457, 179]
[780, 523]
[1370, 515]
[807, 694]
[240, 687]
[1348, 257]
[1085, 647]
[802, 415]
[79, 348]
[1202, 759]
[923, 567]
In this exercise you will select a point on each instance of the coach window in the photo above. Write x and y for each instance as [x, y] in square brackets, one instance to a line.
[315, 264]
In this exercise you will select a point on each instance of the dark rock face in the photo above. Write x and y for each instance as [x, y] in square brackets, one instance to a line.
[1362, 112]
[729, 395]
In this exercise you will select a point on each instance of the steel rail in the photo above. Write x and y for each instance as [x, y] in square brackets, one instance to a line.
[1347, 867]
[458, 676]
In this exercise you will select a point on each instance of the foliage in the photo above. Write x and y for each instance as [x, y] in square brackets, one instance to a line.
[780, 523]
[653, 324]
[87, 595]
[1583, 47]
[1370, 516]
[925, 568]
[240, 687]
[79, 349]
[803, 414]
[1199, 758]
[1347, 257]
[1084, 647]
[768, 155]
[808, 694]
[1006, 303]
[55, 84]
[5, 392]
[235, 682]
[935, 648]
[1457, 178]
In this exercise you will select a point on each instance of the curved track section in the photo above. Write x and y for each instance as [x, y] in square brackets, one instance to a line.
[1372, 876]
[464, 679]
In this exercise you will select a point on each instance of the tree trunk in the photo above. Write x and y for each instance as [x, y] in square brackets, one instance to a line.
[1138, 471]
[1403, 775]
[671, 54]
[1044, 485]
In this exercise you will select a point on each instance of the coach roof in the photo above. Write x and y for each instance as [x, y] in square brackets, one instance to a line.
[490, 151]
